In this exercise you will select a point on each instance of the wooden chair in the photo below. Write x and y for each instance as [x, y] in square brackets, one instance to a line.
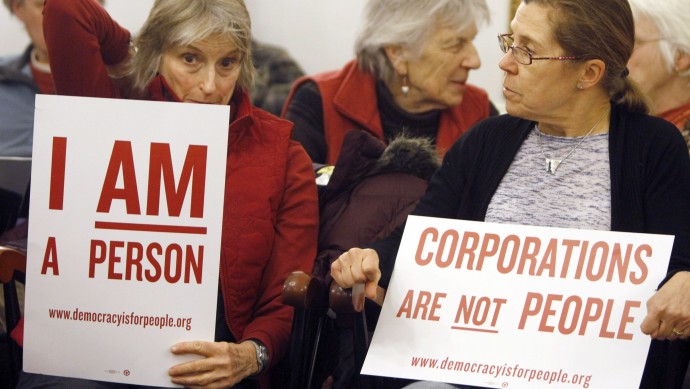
[313, 347]
[371, 190]
[12, 270]
[353, 319]
[306, 294]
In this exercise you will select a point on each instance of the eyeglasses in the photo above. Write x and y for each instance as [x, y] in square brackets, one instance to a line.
[521, 55]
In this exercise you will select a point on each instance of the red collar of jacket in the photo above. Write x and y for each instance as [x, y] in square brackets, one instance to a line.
[241, 109]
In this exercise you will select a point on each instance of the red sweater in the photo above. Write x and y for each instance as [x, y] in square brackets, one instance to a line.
[270, 216]
[349, 101]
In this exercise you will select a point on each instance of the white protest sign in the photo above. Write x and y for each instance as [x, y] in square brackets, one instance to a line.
[124, 235]
[507, 306]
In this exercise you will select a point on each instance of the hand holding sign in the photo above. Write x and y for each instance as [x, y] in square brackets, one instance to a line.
[223, 365]
[668, 311]
[138, 227]
[462, 290]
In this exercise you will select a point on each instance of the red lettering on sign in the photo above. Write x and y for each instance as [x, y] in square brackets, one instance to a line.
[50, 259]
[194, 170]
[582, 313]
[57, 173]
[420, 247]
[421, 306]
[173, 262]
[479, 313]
[160, 173]
[121, 159]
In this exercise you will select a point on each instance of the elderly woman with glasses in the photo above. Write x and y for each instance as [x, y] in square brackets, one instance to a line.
[410, 76]
[660, 62]
[577, 150]
[199, 52]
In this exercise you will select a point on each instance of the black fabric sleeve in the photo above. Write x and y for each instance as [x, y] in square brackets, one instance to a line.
[667, 204]
[493, 111]
[305, 110]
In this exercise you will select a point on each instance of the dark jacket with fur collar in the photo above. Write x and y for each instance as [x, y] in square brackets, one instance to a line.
[372, 190]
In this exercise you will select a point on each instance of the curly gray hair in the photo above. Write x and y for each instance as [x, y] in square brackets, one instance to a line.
[670, 18]
[409, 23]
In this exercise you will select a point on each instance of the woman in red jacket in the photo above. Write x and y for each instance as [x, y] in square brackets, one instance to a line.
[200, 52]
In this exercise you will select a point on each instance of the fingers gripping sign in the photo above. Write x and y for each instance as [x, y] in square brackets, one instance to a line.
[668, 310]
[358, 266]
[223, 364]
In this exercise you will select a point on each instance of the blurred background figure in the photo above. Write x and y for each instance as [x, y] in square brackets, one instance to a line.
[276, 71]
[21, 77]
[660, 62]
[410, 76]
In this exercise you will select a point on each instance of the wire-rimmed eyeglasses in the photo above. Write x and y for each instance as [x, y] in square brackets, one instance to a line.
[521, 55]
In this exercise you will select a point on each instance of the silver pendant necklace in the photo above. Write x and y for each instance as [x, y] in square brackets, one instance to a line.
[551, 163]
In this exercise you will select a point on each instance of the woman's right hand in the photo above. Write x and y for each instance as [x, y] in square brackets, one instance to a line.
[358, 266]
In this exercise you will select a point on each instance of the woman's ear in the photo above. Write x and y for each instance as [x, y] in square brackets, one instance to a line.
[397, 57]
[18, 10]
[592, 72]
[681, 63]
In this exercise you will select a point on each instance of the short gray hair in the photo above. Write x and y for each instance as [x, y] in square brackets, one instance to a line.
[174, 23]
[409, 23]
[671, 19]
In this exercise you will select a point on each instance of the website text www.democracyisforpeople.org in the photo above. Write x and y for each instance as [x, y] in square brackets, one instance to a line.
[118, 319]
[504, 371]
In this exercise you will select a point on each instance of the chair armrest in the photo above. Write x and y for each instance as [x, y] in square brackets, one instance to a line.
[11, 261]
[340, 300]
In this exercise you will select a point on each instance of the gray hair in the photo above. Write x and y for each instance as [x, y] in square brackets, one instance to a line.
[174, 23]
[409, 23]
[671, 19]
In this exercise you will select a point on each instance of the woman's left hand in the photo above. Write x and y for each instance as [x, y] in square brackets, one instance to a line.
[668, 311]
[224, 364]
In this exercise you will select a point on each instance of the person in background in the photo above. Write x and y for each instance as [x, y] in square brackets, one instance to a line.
[410, 76]
[21, 78]
[577, 149]
[660, 62]
[276, 71]
[200, 52]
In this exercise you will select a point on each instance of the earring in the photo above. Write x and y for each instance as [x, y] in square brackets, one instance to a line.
[579, 86]
[405, 88]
